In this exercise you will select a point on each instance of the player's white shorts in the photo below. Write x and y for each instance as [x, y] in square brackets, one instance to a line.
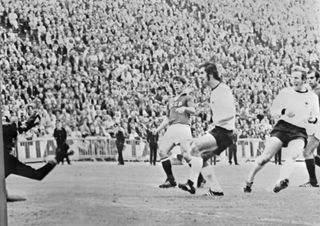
[314, 129]
[174, 134]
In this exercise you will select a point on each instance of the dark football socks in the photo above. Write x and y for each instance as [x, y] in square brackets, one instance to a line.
[166, 164]
[310, 164]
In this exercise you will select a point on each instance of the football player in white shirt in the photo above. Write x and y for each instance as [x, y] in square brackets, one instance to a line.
[314, 137]
[199, 150]
[296, 107]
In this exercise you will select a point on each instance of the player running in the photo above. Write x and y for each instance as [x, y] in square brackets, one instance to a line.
[296, 107]
[199, 150]
[313, 139]
[180, 109]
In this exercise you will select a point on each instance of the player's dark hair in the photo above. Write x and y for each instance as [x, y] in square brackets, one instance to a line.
[304, 75]
[180, 79]
[317, 75]
[211, 69]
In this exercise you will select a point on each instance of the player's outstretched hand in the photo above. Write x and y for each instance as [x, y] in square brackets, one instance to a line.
[70, 152]
[33, 120]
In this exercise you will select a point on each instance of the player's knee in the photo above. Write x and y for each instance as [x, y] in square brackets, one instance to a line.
[307, 154]
[163, 153]
[185, 145]
[195, 148]
[262, 160]
[189, 147]
[186, 156]
[292, 157]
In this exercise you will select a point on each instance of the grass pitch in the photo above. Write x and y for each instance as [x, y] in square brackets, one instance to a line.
[103, 193]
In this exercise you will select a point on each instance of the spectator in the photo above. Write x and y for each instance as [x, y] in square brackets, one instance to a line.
[60, 135]
[277, 158]
[233, 150]
[120, 138]
[125, 66]
[152, 140]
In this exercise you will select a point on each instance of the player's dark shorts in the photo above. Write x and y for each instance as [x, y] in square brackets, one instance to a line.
[224, 140]
[287, 132]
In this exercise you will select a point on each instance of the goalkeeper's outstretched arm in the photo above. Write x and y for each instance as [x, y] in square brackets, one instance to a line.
[31, 122]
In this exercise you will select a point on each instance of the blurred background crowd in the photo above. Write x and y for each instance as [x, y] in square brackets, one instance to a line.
[99, 64]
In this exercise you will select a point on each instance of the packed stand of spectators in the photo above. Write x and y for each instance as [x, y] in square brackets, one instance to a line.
[95, 64]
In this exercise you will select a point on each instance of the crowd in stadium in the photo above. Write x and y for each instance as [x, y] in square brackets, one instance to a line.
[96, 64]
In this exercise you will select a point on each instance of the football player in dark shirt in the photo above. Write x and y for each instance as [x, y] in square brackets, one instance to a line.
[180, 108]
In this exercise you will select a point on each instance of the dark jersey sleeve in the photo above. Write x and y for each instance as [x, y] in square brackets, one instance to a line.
[10, 133]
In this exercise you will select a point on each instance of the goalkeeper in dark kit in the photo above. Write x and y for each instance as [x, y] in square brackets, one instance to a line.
[11, 163]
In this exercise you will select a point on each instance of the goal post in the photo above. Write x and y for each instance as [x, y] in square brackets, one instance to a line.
[3, 196]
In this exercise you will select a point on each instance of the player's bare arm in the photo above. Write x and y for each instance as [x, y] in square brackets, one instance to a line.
[189, 109]
[163, 124]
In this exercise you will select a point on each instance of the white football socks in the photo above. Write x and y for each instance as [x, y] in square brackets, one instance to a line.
[196, 165]
[209, 175]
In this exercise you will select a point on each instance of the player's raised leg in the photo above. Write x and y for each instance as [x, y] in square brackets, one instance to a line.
[192, 153]
[273, 144]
